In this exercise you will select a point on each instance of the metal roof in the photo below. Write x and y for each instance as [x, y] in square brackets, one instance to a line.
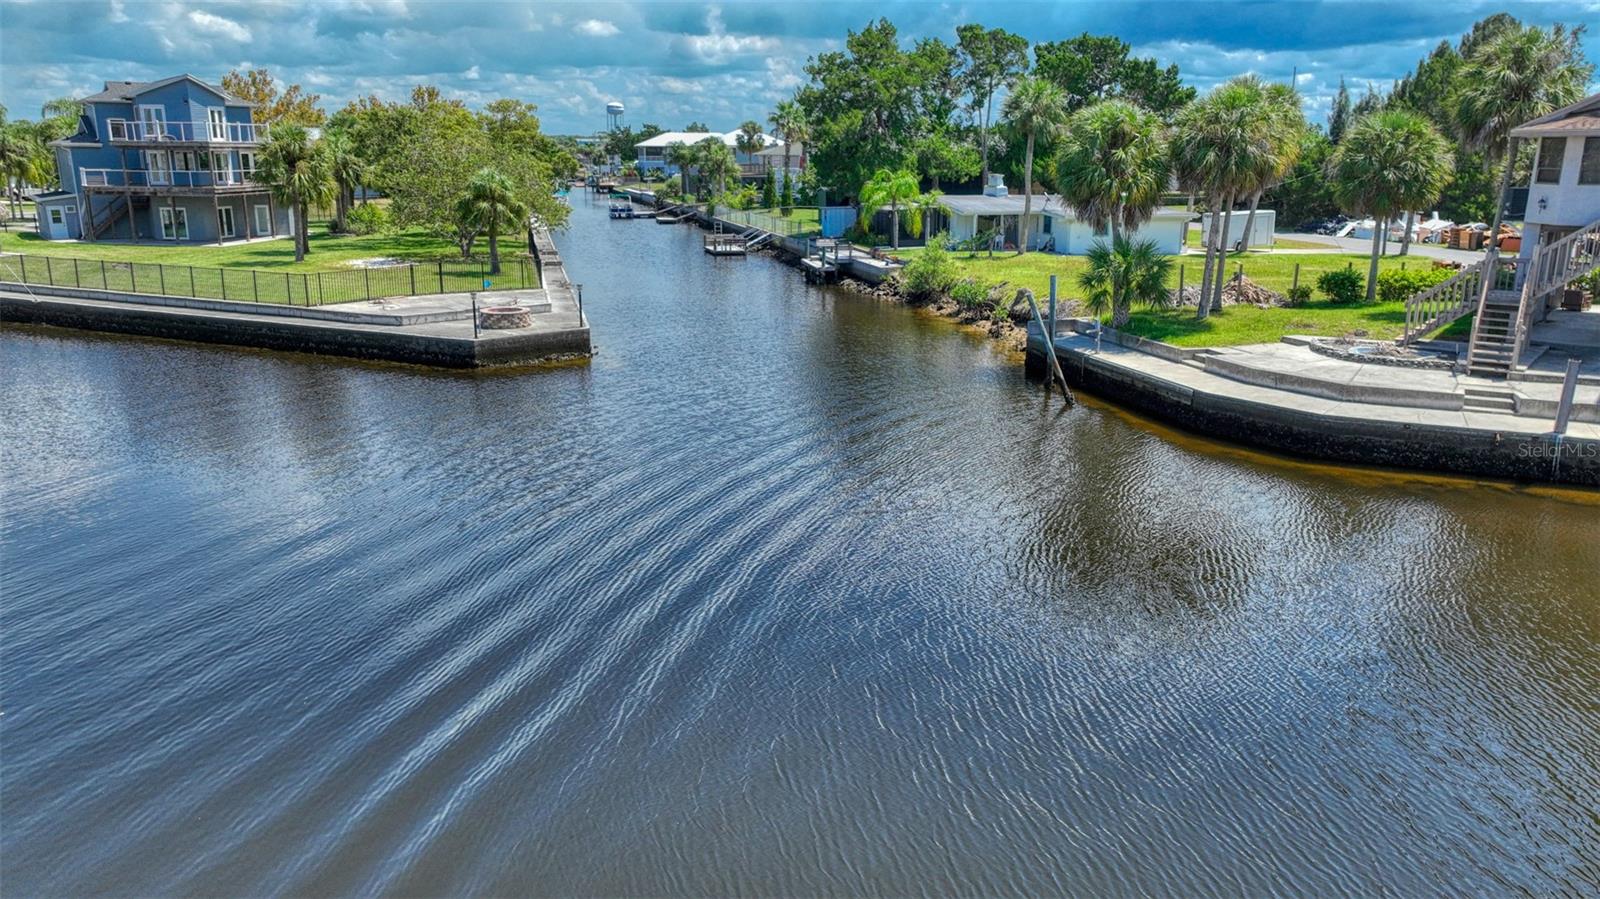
[668, 138]
[126, 91]
[1011, 204]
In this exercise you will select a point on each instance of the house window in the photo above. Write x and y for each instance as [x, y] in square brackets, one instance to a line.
[1047, 221]
[225, 221]
[247, 162]
[56, 217]
[224, 174]
[1589, 166]
[263, 217]
[219, 123]
[1551, 149]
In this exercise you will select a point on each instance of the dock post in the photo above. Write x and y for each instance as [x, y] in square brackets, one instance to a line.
[1569, 389]
[1293, 287]
[1180, 283]
[1052, 335]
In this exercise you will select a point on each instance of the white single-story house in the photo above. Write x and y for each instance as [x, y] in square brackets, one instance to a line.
[1053, 227]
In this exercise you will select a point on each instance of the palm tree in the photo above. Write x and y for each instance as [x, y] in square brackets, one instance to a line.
[17, 157]
[1217, 151]
[491, 200]
[296, 169]
[892, 189]
[789, 121]
[1286, 136]
[716, 165]
[1035, 107]
[924, 205]
[1112, 168]
[684, 157]
[1124, 273]
[750, 139]
[1389, 162]
[1519, 74]
[347, 170]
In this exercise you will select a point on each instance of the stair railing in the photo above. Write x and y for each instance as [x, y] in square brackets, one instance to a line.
[1445, 302]
[1553, 267]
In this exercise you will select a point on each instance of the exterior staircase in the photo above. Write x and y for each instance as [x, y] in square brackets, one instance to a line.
[109, 215]
[1493, 350]
[1509, 295]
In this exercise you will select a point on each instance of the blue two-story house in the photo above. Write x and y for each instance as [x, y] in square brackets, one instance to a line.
[169, 160]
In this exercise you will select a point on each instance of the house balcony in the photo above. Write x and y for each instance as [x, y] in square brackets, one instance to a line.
[124, 131]
[145, 181]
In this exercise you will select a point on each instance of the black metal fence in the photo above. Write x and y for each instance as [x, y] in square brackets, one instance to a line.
[262, 286]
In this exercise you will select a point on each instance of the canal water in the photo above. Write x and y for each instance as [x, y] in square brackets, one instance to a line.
[787, 592]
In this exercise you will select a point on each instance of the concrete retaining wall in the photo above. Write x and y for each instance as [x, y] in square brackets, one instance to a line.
[1522, 457]
[297, 335]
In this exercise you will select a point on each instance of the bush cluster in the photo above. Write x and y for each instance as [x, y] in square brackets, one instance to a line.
[1396, 286]
[930, 274]
[1343, 285]
[1299, 295]
[969, 294]
[367, 219]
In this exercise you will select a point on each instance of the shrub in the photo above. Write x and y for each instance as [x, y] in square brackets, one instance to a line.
[969, 293]
[929, 274]
[1397, 286]
[1343, 285]
[1299, 295]
[368, 219]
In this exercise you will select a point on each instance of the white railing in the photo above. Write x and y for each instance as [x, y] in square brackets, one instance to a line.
[174, 178]
[1445, 302]
[1551, 268]
[126, 131]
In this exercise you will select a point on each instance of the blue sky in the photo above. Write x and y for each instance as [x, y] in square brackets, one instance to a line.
[673, 62]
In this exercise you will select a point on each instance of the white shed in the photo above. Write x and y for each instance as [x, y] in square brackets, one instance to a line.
[1260, 234]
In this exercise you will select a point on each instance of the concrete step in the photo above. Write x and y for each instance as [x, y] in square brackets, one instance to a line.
[1489, 405]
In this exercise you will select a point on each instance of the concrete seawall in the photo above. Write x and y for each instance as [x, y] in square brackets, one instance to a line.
[1391, 436]
[436, 331]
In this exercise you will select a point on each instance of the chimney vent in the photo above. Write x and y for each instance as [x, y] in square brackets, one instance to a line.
[996, 186]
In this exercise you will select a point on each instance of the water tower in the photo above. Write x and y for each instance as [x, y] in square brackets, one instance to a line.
[613, 115]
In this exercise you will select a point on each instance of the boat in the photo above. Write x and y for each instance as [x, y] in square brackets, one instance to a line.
[623, 211]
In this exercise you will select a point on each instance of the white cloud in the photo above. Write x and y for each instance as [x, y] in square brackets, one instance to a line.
[472, 74]
[219, 26]
[597, 28]
[717, 46]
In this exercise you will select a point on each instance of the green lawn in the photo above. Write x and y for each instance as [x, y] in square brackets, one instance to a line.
[266, 271]
[1235, 324]
[327, 251]
[800, 221]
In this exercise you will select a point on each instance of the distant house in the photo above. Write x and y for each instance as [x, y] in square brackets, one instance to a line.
[650, 154]
[770, 158]
[1052, 225]
[1564, 194]
[169, 160]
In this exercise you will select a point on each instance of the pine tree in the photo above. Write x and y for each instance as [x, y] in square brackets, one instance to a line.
[1339, 118]
[769, 190]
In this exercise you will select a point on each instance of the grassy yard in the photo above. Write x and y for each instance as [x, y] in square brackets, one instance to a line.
[266, 271]
[327, 251]
[1235, 324]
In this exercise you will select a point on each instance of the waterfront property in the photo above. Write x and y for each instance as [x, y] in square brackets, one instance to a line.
[651, 153]
[1053, 227]
[1535, 302]
[170, 160]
